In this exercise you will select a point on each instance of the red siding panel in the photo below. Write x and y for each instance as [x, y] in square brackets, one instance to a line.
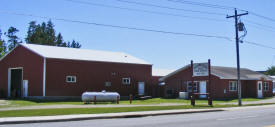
[91, 76]
[32, 70]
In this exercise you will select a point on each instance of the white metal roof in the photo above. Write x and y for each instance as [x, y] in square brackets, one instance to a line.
[161, 72]
[83, 54]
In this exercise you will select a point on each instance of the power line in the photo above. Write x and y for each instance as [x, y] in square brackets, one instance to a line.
[171, 8]
[260, 28]
[261, 16]
[221, 7]
[134, 28]
[216, 6]
[145, 11]
[260, 45]
[121, 27]
[259, 24]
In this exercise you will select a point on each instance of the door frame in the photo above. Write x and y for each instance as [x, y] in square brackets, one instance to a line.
[203, 96]
[9, 79]
[261, 93]
[143, 88]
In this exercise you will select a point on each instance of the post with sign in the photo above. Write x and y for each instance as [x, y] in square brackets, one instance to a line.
[209, 84]
[192, 85]
[201, 70]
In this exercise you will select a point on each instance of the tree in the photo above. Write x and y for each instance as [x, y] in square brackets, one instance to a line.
[13, 40]
[59, 41]
[2, 46]
[45, 34]
[73, 44]
[270, 70]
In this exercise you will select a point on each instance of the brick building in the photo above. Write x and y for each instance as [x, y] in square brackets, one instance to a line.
[223, 83]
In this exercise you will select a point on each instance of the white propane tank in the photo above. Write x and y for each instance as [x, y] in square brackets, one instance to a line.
[100, 96]
[183, 95]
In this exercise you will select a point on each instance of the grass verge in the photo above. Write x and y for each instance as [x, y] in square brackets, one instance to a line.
[38, 102]
[69, 111]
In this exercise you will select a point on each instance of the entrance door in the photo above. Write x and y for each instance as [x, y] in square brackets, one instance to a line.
[141, 88]
[260, 89]
[203, 89]
[25, 88]
[15, 84]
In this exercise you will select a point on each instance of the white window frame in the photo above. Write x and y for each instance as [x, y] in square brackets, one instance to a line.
[72, 77]
[107, 84]
[266, 86]
[189, 86]
[234, 83]
[126, 81]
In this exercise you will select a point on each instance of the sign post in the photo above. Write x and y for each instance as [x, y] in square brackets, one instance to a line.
[201, 70]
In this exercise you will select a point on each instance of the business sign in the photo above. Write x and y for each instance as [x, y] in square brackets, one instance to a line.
[200, 69]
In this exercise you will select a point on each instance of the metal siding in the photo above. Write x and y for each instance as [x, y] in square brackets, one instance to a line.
[32, 69]
[91, 76]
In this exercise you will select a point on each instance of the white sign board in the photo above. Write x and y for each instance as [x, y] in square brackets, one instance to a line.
[200, 69]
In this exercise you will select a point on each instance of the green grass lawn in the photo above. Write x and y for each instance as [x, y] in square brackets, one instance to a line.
[16, 103]
[68, 111]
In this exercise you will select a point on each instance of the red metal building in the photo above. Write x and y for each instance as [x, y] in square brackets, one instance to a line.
[223, 83]
[49, 71]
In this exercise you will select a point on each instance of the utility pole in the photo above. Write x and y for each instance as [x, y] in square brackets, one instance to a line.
[237, 50]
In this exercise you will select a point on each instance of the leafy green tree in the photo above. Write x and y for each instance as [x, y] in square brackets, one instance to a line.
[270, 71]
[13, 40]
[2, 46]
[45, 34]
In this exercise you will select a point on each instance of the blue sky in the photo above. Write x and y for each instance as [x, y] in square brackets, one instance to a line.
[164, 51]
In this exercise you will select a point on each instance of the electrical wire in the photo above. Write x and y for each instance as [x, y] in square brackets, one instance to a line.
[120, 27]
[170, 8]
[260, 25]
[221, 7]
[257, 44]
[261, 16]
[145, 11]
[260, 28]
[216, 6]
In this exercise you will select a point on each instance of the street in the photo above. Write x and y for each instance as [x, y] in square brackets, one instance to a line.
[256, 117]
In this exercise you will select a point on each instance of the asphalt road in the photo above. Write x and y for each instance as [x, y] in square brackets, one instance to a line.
[258, 117]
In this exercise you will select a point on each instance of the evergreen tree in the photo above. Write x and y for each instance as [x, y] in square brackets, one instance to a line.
[31, 31]
[73, 44]
[50, 33]
[44, 34]
[2, 46]
[13, 40]
[270, 71]
[59, 41]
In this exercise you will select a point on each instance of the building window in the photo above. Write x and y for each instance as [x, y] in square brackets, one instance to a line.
[189, 86]
[71, 79]
[107, 84]
[126, 81]
[232, 86]
[266, 86]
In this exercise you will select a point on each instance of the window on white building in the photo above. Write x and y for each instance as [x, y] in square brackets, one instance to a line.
[126, 81]
[71, 79]
[233, 86]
